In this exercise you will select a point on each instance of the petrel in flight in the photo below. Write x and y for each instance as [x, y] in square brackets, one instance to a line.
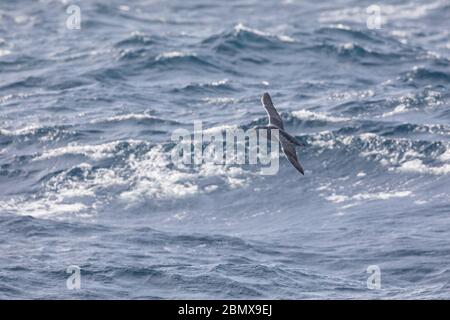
[287, 141]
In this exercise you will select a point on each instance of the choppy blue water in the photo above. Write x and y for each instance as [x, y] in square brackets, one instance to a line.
[86, 179]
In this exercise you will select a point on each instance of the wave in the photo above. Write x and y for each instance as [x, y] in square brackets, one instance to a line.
[242, 29]
[94, 152]
[422, 74]
[67, 132]
[12, 62]
[174, 55]
[356, 52]
[429, 99]
[391, 153]
[28, 82]
[243, 38]
[134, 118]
[368, 196]
[139, 39]
[345, 32]
[177, 59]
[38, 133]
[137, 170]
[418, 166]
[307, 115]
[223, 85]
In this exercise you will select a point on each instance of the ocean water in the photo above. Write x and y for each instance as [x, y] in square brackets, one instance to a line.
[86, 178]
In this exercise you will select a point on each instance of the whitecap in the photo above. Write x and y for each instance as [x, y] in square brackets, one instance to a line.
[320, 116]
[94, 152]
[153, 176]
[336, 198]
[417, 165]
[401, 108]
[240, 27]
[125, 117]
[4, 52]
[173, 54]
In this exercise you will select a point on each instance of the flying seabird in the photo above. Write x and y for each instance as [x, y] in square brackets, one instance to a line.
[287, 141]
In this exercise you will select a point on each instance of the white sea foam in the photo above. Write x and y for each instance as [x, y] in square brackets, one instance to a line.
[124, 117]
[29, 129]
[382, 195]
[336, 198]
[21, 19]
[341, 26]
[361, 174]
[401, 108]
[95, 152]
[152, 176]
[219, 82]
[83, 189]
[65, 194]
[407, 103]
[240, 27]
[398, 154]
[446, 155]
[418, 166]
[174, 54]
[4, 52]
[41, 208]
[309, 115]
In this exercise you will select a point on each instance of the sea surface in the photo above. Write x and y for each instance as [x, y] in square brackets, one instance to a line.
[86, 178]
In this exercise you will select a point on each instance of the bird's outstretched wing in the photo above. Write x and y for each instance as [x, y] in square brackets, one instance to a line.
[274, 117]
[291, 155]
